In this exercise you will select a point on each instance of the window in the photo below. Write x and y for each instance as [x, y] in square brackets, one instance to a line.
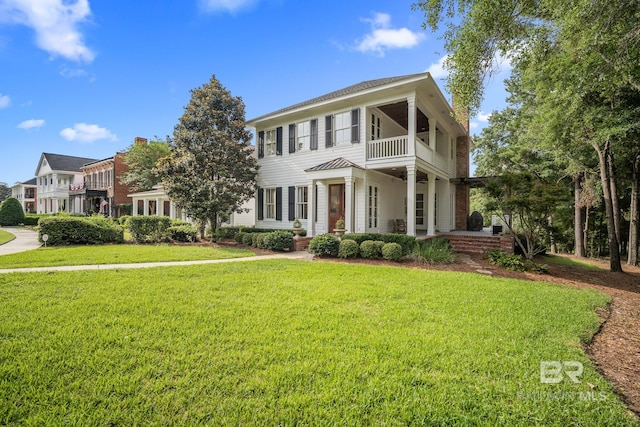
[302, 200]
[375, 127]
[342, 123]
[304, 135]
[270, 142]
[373, 207]
[420, 209]
[270, 203]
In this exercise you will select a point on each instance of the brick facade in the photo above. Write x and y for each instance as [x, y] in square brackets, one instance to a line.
[462, 190]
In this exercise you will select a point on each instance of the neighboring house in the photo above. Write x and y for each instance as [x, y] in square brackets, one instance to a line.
[55, 174]
[26, 193]
[156, 202]
[101, 190]
[378, 153]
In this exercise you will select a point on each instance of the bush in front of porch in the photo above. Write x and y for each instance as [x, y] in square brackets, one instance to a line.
[406, 242]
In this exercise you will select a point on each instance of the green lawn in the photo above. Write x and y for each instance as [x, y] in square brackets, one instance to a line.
[572, 262]
[116, 254]
[285, 342]
[5, 237]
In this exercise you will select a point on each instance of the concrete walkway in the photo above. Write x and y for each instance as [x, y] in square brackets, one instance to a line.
[286, 255]
[25, 241]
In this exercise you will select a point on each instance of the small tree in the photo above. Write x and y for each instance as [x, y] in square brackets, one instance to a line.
[11, 212]
[530, 201]
[141, 160]
[210, 171]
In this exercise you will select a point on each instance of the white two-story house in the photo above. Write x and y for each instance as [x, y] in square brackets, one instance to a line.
[372, 153]
[55, 175]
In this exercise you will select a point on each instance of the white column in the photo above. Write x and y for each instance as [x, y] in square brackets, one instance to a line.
[411, 200]
[432, 133]
[445, 196]
[172, 211]
[311, 209]
[145, 207]
[411, 126]
[431, 218]
[348, 201]
[157, 206]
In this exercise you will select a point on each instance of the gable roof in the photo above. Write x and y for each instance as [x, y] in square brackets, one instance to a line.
[349, 90]
[61, 162]
[32, 181]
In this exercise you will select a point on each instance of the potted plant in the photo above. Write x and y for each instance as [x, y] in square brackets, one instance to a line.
[297, 227]
[339, 230]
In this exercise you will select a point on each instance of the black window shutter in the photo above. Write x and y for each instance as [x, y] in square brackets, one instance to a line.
[279, 141]
[278, 203]
[328, 126]
[260, 203]
[314, 134]
[355, 125]
[261, 144]
[292, 203]
[292, 138]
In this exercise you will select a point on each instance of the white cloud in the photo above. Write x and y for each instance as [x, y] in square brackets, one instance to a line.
[4, 100]
[55, 23]
[72, 72]
[84, 132]
[483, 117]
[231, 6]
[437, 70]
[30, 124]
[382, 37]
[480, 120]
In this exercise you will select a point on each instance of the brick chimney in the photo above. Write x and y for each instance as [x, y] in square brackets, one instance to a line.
[463, 145]
[140, 140]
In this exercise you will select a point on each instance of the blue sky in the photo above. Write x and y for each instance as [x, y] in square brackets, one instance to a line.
[84, 78]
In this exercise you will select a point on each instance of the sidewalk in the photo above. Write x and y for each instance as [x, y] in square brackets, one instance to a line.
[25, 241]
[287, 255]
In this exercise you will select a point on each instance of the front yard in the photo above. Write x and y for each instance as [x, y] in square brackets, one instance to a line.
[289, 342]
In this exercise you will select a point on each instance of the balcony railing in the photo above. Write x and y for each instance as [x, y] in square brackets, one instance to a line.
[396, 146]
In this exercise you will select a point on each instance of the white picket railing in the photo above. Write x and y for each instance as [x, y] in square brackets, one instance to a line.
[396, 146]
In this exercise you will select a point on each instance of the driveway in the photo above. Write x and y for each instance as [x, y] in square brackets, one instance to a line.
[25, 241]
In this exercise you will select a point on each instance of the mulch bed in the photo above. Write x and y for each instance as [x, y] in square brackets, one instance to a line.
[615, 349]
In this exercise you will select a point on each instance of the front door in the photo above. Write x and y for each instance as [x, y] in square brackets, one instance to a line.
[336, 204]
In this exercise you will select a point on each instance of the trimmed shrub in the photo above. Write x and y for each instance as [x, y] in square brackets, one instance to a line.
[67, 230]
[361, 237]
[407, 243]
[392, 252]
[371, 249]
[259, 241]
[324, 245]
[32, 219]
[238, 237]
[149, 229]
[182, 233]
[247, 239]
[11, 212]
[348, 249]
[279, 240]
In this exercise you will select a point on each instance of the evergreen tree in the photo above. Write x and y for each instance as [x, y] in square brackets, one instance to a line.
[210, 171]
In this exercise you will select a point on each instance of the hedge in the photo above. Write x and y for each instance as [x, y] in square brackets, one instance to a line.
[182, 233]
[406, 242]
[149, 229]
[324, 245]
[68, 230]
[279, 240]
[32, 219]
[348, 249]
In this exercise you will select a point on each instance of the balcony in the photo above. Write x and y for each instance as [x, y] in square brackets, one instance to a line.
[397, 146]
